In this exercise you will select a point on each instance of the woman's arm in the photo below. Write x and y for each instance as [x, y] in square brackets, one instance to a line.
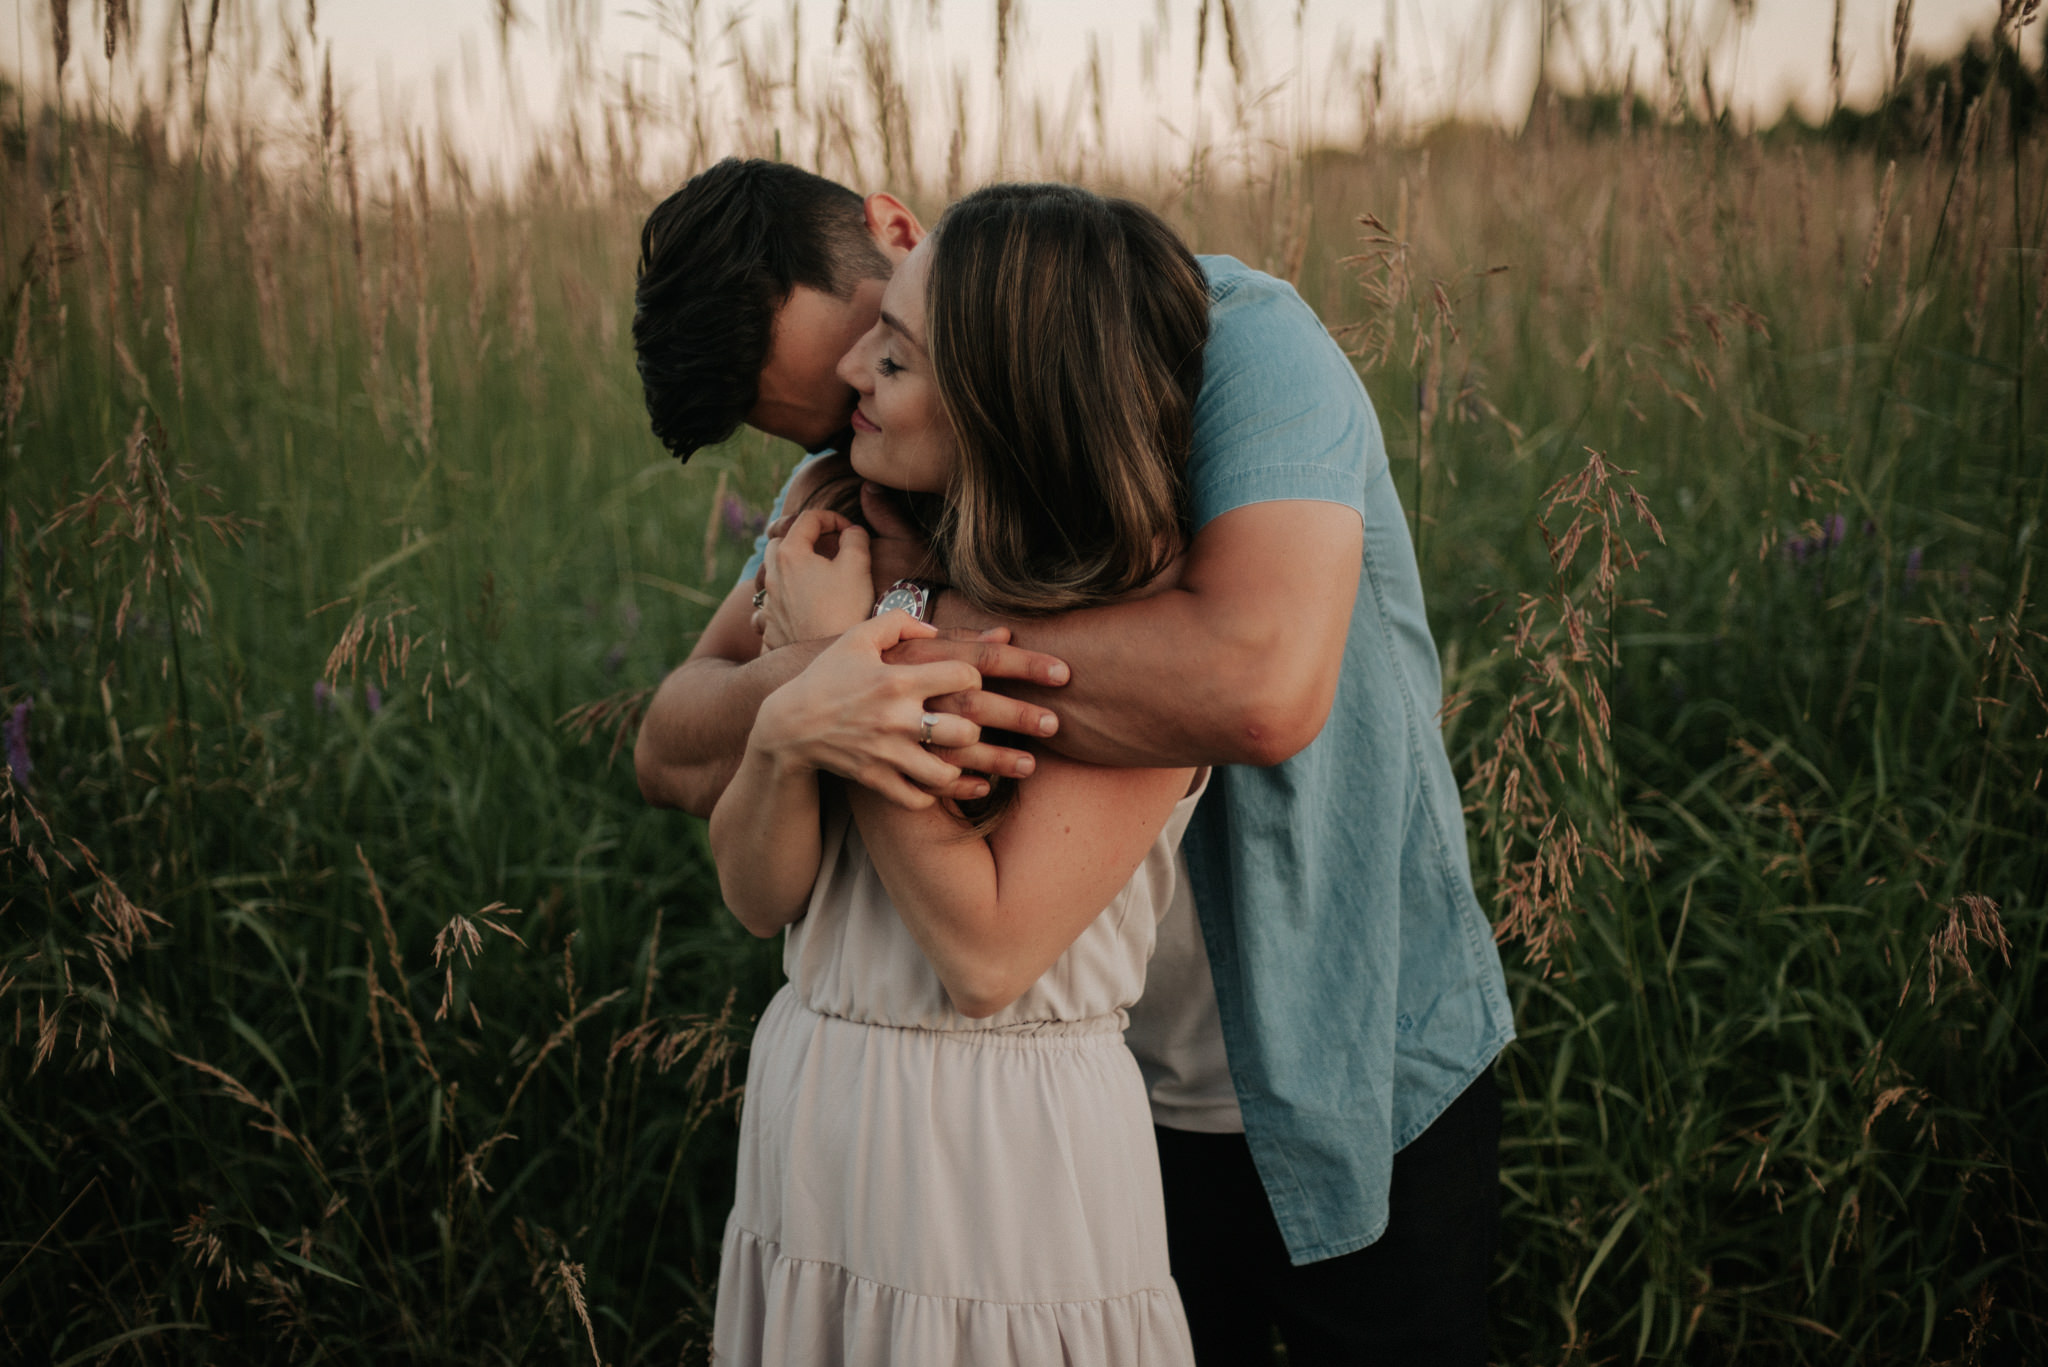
[764, 829]
[765, 836]
[993, 914]
[695, 731]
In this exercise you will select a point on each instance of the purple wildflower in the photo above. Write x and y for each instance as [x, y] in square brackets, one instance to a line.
[373, 699]
[18, 761]
[1796, 550]
[614, 658]
[1838, 527]
[740, 520]
[1912, 568]
[323, 695]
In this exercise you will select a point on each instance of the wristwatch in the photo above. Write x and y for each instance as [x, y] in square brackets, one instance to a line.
[913, 596]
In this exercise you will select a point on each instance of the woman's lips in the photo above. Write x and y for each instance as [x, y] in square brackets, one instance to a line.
[861, 423]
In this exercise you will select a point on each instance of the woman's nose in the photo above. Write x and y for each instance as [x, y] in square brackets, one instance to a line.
[853, 366]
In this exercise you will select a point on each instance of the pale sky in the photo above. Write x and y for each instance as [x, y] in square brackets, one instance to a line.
[413, 63]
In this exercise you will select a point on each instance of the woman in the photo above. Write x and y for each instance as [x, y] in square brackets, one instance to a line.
[946, 1152]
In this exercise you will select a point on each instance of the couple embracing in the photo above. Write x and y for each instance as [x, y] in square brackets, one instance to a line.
[1077, 729]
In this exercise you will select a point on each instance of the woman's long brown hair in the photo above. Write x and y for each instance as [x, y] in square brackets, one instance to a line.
[1066, 334]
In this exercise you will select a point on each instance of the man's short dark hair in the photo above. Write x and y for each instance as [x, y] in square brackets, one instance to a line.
[717, 259]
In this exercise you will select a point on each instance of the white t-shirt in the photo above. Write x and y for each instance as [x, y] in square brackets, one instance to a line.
[1175, 1029]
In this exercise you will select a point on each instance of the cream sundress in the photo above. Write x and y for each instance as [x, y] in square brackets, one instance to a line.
[916, 1187]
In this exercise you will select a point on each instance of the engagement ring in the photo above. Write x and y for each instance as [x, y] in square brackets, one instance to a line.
[924, 729]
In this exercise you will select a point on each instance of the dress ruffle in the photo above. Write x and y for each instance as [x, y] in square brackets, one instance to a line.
[781, 1310]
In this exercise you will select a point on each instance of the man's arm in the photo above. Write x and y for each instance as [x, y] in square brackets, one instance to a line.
[1235, 664]
[696, 726]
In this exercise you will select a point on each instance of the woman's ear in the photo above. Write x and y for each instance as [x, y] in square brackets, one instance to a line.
[895, 229]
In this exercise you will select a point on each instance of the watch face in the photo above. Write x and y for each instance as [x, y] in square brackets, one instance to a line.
[900, 600]
[906, 595]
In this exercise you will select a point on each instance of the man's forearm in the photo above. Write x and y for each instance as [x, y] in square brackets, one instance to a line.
[697, 724]
[1164, 683]
[1236, 663]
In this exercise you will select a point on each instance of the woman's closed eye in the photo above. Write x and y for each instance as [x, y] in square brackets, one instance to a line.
[887, 366]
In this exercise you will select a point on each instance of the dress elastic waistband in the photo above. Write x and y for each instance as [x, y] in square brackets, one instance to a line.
[1105, 1029]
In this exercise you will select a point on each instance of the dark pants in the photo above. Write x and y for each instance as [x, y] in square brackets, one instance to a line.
[1416, 1295]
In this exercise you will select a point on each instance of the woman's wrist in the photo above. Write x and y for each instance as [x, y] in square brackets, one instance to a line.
[775, 745]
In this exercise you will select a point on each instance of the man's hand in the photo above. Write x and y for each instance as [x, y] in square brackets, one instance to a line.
[992, 657]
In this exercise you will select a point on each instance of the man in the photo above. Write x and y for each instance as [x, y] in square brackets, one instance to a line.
[1341, 999]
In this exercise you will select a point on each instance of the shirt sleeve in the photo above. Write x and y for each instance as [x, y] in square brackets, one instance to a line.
[753, 565]
[1282, 414]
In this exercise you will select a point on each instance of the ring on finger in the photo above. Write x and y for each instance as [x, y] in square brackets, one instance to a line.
[760, 597]
[924, 727]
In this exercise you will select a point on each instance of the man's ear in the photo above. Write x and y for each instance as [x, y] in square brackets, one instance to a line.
[895, 229]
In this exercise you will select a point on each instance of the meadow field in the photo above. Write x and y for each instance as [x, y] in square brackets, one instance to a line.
[355, 1007]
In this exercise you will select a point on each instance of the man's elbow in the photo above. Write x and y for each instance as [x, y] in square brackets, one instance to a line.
[681, 786]
[1273, 717]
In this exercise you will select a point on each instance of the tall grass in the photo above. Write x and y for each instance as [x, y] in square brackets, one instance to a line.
[356, 1006]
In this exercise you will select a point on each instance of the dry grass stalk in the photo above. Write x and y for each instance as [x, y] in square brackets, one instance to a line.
[1560, 707]
[618, 715]
[1006, 19]
[1905, 290]
[459, 939]
[476, 283]
[270, 305]
[135, 259]
[173, 341]
[60, 37]
[271, 1123]
[1951, 942]
[891, 106]
[561, 1036]
[716, 1042]
[137, 497]
[1233, 49]
[379, 635]
[327, 113]
[1902, 37]
[1384, 274]
[1884, 210]
[392, 956]
[355, 211]
[1835, 70]
[200, 1238]
[18, 362]
[113, 926]
[564, 1278]
[422, 385]
[1962, 203]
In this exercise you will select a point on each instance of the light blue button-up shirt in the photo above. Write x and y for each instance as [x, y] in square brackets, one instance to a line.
[1355, 973]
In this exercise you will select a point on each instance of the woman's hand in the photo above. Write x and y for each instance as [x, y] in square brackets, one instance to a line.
[808, 593]
[852, 714]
